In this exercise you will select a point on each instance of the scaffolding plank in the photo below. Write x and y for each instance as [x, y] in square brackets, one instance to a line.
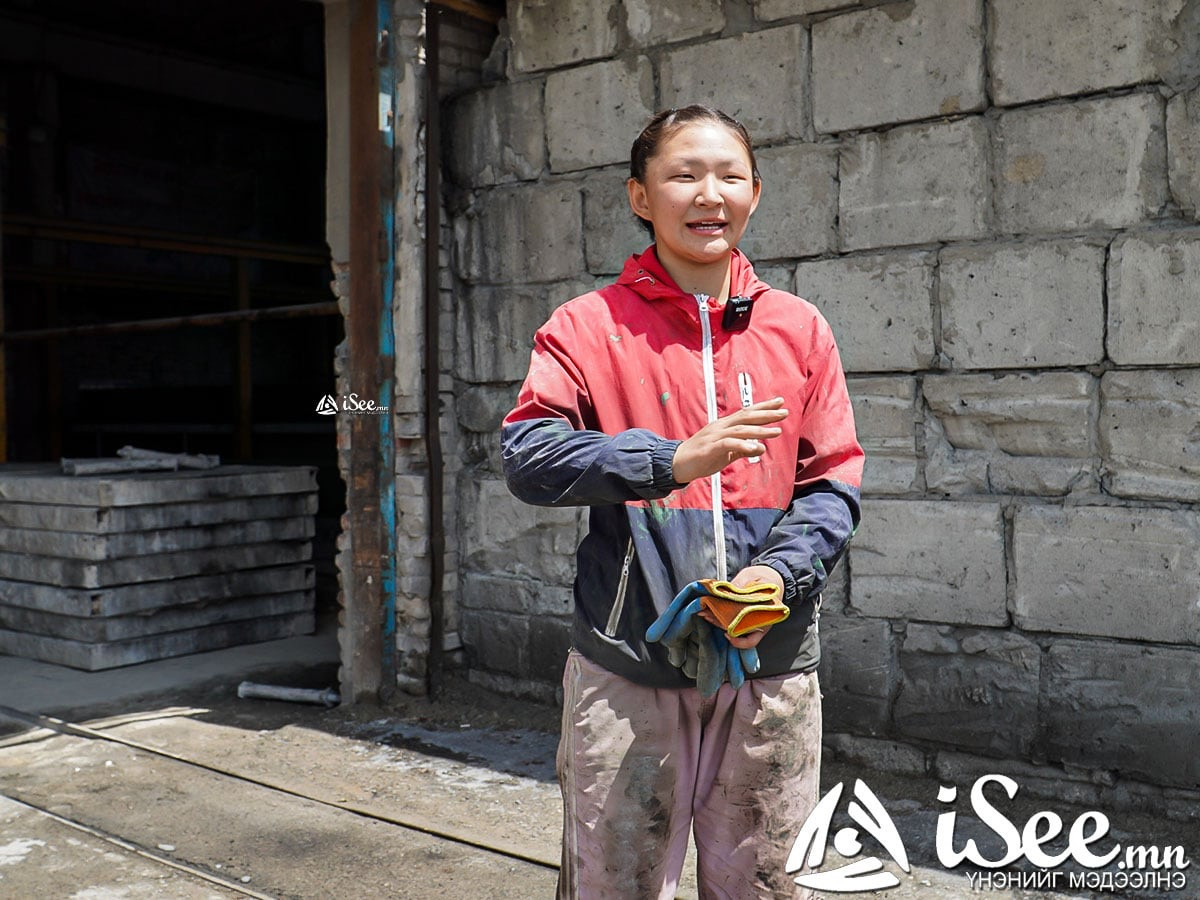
[120, 628]
[100, 547]
[45, 483]
[136, 598]
[115, 520]
[157, 567]
[111, 654]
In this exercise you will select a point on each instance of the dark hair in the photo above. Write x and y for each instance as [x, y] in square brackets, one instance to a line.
[665, 124]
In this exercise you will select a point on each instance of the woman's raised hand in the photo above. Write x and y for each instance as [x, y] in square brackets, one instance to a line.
[736, 436]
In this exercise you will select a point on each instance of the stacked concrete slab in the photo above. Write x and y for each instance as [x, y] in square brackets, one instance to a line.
[996, 205]
[105, 571]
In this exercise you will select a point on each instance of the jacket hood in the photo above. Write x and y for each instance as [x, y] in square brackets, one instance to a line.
[644, 274]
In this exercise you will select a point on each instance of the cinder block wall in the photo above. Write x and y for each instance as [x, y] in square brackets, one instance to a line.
[994, 203]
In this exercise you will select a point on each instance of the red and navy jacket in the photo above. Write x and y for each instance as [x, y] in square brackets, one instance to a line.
[618, 378]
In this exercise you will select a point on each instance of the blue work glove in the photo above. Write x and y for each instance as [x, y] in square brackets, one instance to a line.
[676, 618]
[696, 647]
[712, 659]
[739, 663]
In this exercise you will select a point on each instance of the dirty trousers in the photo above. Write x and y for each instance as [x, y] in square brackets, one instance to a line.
[639, 766]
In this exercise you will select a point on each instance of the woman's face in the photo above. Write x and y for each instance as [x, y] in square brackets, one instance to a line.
[698, 193]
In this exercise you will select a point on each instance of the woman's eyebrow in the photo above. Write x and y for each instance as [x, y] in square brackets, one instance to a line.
[727, 162]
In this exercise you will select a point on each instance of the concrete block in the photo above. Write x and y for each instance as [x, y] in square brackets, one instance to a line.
[913, 185]
[45, 483]
[1040, 50]
[503, 535]
[109, 655]
[1183, 151]
[836, 594]
[1028, 434]
[495, 327]
[1149, 439]
[885, 418]
[897, 63]
[856, 673]
[497, 135]
[903, 567]
[1129, 708]
[797, 215]
[652, 23]
[549, 643]
[874, 755]
[82, 573]
[769, 68]
[879, 306]
[481, 407]
[611, 232]
[530, 233]
[1023, 305]
[1123, 573]
[594, 112]
[1154, 299]
[77, 546]
[128, 599]
[97, 629]
[550, 33]
[769, 10]
[1092, 164]
[777, 276]
[118, 520]
[497, 641]
[969, 689]
[504, 593]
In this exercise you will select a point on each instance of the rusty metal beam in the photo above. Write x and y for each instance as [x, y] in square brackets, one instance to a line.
[364, 617]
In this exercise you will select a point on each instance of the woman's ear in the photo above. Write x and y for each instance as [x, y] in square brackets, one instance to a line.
[637, 199]
[757, 195]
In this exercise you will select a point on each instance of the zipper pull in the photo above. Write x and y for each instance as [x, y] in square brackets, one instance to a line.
[746, 392]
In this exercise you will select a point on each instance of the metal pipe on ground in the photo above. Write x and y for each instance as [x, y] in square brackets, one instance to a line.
[248, 690]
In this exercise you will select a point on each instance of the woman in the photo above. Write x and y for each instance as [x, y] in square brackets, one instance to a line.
[703, 416]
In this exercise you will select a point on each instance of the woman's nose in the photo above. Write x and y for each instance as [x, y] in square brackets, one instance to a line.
[707, 191]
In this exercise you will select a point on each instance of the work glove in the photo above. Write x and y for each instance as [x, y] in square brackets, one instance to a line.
[742, 608]
[696, 647]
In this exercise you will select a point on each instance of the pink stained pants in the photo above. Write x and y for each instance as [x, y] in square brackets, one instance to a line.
[639, 766]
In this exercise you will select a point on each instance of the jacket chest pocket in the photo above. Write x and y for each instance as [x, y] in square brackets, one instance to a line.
[614, 615]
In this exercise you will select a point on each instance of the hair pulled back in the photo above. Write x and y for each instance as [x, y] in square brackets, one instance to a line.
[664, 125]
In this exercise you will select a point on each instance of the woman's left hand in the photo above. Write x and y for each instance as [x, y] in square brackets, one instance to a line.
[748, 575]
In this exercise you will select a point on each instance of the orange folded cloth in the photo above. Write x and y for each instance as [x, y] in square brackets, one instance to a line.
[741, 609]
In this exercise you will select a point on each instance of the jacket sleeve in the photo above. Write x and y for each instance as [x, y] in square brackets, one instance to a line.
[813, 532]
[553, 453]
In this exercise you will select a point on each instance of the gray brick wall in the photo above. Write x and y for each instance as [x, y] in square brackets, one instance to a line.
[994, 203]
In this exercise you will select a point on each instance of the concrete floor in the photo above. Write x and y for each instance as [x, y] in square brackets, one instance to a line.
[302, 801]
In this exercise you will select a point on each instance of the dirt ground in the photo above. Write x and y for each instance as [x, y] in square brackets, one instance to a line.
[423, 799]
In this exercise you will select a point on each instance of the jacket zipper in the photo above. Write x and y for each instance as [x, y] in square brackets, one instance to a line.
[614, 615]
[710, 399]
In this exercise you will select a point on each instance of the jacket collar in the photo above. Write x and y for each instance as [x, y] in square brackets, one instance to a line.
[644, 274]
